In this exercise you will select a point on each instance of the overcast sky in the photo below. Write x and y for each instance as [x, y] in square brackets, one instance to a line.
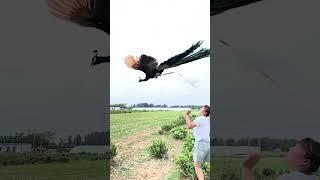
[282, 38]
[160, 29]
[46, 82]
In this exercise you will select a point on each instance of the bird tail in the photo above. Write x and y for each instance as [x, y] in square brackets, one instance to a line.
[188, 56]
[219, 6]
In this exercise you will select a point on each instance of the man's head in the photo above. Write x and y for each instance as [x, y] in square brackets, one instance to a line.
[305, 156]
[204, 110]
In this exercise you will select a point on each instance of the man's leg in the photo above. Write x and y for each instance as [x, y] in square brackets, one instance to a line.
[197, 167]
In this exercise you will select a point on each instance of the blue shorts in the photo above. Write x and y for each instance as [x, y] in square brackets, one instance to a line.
[201, 151]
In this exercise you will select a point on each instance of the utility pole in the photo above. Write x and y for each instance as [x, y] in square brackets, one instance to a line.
[34, 138]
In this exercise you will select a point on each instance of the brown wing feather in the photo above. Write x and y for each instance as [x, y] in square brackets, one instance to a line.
[145, 63]
[132, 62]
[76, 11]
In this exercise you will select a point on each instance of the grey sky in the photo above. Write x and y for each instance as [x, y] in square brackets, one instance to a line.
[46, 81]
[282, 38]
[160, 29]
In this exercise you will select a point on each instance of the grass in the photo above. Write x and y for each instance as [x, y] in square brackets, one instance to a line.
[76, 170]
[123, 125]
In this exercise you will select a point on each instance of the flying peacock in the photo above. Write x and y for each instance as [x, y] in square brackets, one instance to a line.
[96, 13]
[86, 13]
[150, 67]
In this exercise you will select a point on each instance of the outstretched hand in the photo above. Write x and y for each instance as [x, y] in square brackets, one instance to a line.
[188, 112]
[251, 161]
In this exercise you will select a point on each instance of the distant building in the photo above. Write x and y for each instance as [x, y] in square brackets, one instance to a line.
[90, 149]
[115, 108]
[15, 147]
[232, 150]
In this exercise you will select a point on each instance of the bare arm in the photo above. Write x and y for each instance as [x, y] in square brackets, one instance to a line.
[189, 123]
[248, 166]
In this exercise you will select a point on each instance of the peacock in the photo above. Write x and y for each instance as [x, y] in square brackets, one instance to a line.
[86, 13]
[150, 67]
[96, 13]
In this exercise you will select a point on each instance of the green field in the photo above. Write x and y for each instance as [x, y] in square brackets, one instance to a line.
[125, 124]
[76, 170]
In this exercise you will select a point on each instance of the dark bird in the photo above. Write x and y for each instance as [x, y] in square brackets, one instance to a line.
[96, 13]
[259, 71]
[98, 59]
[220, 6]
[150, 67]
[86, 13]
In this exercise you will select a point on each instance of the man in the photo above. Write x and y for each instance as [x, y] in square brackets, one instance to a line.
[201, 131]
[303, 161]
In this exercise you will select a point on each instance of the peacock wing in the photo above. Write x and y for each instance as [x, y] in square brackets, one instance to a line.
[146, 64]
[82, 12]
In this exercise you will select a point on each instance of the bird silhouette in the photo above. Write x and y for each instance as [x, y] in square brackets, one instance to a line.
[86, 13]
[96, 13]
[98, 59]
[150, 67]
[220, 6]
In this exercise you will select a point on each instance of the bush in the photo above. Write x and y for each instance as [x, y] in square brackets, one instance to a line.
[186, 166]
[185, 161]
[180, 121]
[158, 149]
[268, 172]
[179, 132]
[167, 127]
[160, 131]
[113, 150]
[188, 143]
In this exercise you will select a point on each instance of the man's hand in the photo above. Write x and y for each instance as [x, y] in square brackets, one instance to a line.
[251, 161]
[188, 112]
[248, 165]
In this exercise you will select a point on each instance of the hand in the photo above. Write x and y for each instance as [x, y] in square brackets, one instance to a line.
[188, 112]
[251, 161]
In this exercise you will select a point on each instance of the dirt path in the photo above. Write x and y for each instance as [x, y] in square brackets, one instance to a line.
[132, 162]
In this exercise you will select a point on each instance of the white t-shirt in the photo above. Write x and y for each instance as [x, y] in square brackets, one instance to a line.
[298, 176]
[202, 130]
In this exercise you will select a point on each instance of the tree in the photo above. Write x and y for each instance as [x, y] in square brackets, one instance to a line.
[77, 140]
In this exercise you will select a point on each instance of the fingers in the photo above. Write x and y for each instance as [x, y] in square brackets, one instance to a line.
[251, 161]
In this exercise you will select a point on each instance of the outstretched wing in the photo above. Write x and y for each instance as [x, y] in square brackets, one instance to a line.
[88, 13]
[188, 56]
[219, 6]
[145, 63]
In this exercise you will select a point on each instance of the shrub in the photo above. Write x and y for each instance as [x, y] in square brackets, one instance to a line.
[158, 149]
[179, 132]
[180, 121]
[160, 131]
[113, 150]
[186, 166]
[188, 143]
[167, 127]
[185, 161]
[268, 172]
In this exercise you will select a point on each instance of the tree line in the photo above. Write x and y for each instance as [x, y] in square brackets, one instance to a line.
[154, 105]
[265, 143]
[47, 139]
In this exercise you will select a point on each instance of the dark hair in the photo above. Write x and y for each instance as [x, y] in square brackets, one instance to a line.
[207, 109]
[312, 153]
